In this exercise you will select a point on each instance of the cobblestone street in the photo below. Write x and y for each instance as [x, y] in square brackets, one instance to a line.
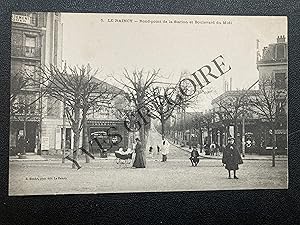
[177, 174]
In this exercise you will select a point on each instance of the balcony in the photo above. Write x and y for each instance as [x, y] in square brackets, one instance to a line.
[25, 52]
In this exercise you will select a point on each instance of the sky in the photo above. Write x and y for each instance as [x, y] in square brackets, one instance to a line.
[112, 42]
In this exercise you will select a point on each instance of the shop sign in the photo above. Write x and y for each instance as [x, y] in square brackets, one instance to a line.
[45, 143]
[280, 132]
[20, 19]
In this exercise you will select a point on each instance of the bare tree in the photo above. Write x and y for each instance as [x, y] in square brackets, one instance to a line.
[160, 106]
[231, 108]
[269, 103]
[198, 123]
[137, 85]
[78, 88]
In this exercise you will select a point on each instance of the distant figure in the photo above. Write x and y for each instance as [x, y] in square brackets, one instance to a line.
[158, 148]
[194, 156]
[231, 158]
[140, 160]
[150, 150]
[21, 145]
[164, 150]
[212, 148]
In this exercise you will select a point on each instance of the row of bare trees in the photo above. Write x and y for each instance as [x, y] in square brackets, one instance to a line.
[268, 103]
[152, 99]
[78, 89]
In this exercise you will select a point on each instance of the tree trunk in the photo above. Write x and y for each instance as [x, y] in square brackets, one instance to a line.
[142, 137]
[208, 135]
[235, 130]
[76, 134]
[24, 134]
[85, 141]
[163, 128]
[201, 139]
[274, 146]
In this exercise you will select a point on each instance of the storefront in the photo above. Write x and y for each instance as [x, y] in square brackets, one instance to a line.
[107, 135]
[29, 130]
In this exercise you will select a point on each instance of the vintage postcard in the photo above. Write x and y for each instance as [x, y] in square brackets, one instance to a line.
[118, 103]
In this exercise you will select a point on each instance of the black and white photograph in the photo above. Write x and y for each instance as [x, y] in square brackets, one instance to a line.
[126, 103]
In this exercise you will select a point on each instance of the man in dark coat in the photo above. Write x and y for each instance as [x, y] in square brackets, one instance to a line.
[231, 158]
[194, 156]
[21, 145]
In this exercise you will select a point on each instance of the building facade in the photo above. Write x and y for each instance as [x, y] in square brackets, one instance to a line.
[273, 71]
[255, 121]
[235, 116]
[36, 39]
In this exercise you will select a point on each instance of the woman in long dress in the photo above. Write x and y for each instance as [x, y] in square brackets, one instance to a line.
[140, 160]
[164, 150]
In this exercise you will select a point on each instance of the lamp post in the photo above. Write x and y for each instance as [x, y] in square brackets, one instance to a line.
[243, 135]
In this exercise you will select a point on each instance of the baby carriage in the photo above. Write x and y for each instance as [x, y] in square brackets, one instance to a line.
[123, 159]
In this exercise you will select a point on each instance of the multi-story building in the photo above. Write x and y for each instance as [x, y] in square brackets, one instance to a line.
[36, 39]
[36, 42]
[232, 113]
[273, 70]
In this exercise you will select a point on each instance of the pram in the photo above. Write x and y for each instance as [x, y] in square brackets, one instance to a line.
[123, 158]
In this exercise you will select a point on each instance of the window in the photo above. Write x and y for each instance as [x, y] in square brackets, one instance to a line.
[32, 104]
[30, 46]
[53, 107]
[26, 104]
[280, 81]
[21, 104]
[33, 17]
[30, 73]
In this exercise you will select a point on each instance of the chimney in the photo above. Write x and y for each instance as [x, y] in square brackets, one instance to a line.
[264, 51]
[281, 39]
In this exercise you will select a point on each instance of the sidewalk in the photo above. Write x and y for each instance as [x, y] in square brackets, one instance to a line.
[34, 157]
[31, 157]
[247, 156]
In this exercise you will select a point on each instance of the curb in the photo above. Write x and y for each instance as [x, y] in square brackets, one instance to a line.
[24, 160]
[208, 157]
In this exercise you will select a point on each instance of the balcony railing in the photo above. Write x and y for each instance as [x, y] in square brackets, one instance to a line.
[25, 51]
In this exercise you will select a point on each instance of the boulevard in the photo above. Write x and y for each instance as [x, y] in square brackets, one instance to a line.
[102, 176]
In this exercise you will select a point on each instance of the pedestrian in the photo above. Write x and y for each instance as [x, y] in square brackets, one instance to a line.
[158, 148]
[164, 150]
[194, 156]
[21, 145]
[150, 150]
[212, 148]
[140, 160]
[231, 158]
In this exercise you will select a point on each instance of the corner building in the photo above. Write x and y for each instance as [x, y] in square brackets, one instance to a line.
[36, 39]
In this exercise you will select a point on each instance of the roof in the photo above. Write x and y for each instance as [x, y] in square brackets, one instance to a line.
[275, 52]
[235, 93]
[108, 86]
